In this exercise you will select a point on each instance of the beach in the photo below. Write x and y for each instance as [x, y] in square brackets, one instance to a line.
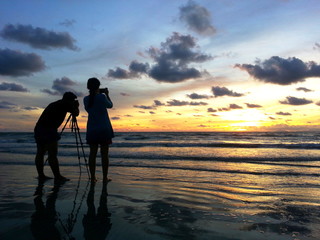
[167, 186]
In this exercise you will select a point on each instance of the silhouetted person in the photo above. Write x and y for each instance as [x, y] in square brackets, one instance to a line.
[99, 128]
[43, 220]
[46, 133]
[97, 225]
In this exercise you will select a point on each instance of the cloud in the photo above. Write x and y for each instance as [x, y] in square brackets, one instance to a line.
[170, 61]
[232, 106]
[158, 103]
[223, 91]
[303, 89]
[178, 103]
[7, 105]
[119, 73]
[235, 106]
[144, 107]
[38, 37]
[115, 118]
[211, 110]
[68, 22]
[281, 71]
[295, 101]
[197, 96]
[284, 113]
[136, 69]
[173, 57]
[16, 63]
[197, 18]
[249, 105]
[12, 87]
[60, 86]
[316, 46]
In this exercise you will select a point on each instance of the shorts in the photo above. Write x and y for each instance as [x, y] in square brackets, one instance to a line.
[44, 135]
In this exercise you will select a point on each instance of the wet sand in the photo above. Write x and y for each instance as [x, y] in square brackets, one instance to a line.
[148, 203]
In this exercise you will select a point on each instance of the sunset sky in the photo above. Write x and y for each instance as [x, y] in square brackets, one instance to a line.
[205, 65]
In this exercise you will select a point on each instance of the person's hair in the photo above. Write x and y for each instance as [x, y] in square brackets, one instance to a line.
[69, 96]
[93, 85]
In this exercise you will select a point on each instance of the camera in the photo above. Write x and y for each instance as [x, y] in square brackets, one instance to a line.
[76, 103]
[103, 90]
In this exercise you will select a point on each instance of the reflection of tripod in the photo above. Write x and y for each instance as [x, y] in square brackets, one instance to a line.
[75, 128]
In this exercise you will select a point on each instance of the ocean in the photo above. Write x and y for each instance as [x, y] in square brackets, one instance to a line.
[195, 185]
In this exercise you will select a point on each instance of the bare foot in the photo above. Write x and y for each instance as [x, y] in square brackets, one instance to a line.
[106, 180]
[43, 178]
[61, 179]
[93, 180]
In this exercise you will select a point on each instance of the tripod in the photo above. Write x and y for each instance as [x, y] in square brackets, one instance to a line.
[75, 128]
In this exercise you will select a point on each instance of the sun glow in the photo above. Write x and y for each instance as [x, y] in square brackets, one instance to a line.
[244, 115]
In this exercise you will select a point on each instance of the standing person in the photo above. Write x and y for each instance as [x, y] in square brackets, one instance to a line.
[99, 128]
[46, 133]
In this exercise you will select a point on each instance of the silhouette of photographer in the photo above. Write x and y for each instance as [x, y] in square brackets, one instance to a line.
[46, 133]
[43, 220]
[97, 225]
[99, 128]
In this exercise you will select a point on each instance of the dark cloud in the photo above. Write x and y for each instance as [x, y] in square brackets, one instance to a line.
[250, 105]
[284, 113]
[119, 73]
[135, 71]
[198, 103]
[135, 67]
[295, 101]
[232, 106]
[29, 108]
[211, 110]
[223, 91]
[16, 63]
[158, 103]
[281, 71]
[60, 86]
[7, 105]
[12, 87]
[197, 18]
[235, 106]
[175, 102]
[115, 118]
[170, 61]
[178, 103]
[303, 89]
[152, 112]
[124, 94]
[38, 37]
[197, 96]
[173, 57]
[143, 107]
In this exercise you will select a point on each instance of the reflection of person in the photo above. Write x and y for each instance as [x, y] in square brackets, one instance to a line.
[97, 225]
[46, 133]
[44, 219]
[99, 128]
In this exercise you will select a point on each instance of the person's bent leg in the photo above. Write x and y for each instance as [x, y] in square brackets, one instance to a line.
[105, 161]
[53, 161]
[39, 161]
[92, 161]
